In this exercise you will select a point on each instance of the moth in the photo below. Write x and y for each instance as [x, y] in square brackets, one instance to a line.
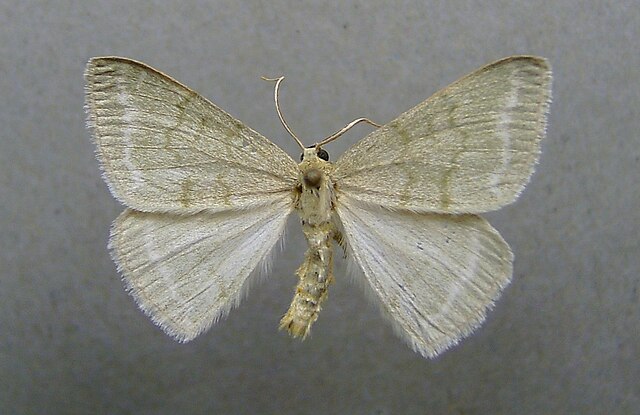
[207, 199]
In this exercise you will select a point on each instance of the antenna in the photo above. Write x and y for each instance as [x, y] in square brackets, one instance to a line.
[345, 129]
[275, 98]
[292, 134]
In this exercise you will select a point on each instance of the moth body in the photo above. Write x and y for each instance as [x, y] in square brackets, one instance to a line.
[315, 205]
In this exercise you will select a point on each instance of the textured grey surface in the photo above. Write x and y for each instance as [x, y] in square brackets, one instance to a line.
[564, 338]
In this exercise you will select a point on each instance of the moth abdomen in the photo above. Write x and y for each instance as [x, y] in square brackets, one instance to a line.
[316, 275]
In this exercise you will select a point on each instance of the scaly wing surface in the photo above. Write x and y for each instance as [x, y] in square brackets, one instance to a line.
[165, 148]
[185, 272]
[435, 276]
[470, 148]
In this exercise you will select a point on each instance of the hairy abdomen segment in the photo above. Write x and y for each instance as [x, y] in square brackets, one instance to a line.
[316, 274]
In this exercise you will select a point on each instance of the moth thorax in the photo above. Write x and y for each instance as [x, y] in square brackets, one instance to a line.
[313, 177]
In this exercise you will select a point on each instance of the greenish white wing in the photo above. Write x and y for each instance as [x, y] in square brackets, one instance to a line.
[165, 148]
[186, 272]
[435, 276]
[470, 148]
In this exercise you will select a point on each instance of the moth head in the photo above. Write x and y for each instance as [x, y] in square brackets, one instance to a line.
[314, 151]
[313, 163]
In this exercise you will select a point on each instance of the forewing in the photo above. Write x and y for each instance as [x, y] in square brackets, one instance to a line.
[165, 148]
[434, 275]
[186, 272]
[470, 148]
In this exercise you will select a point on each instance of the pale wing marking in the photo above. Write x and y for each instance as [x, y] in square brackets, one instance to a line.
[434, 275]
[164, 148]
[470, 148]
[185, 272]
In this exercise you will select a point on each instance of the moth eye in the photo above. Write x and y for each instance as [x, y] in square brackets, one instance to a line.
[323, 154]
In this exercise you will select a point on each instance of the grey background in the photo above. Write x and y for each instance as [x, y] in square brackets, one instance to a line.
[562, 339]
